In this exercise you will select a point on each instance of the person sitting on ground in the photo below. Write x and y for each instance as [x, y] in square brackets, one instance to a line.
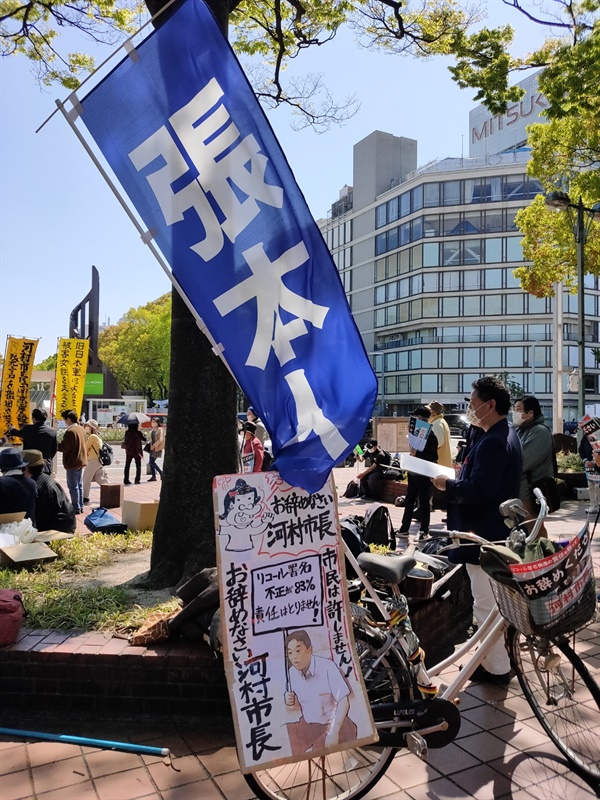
[94, 470]
[371, 480]
[39, 436]
[252, 450]
[17, 492]
[53, 511]
[419, 486]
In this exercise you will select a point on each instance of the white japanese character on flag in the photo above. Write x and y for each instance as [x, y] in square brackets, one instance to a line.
[267, 286]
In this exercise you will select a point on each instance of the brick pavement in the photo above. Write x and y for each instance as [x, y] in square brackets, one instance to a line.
[501, 752]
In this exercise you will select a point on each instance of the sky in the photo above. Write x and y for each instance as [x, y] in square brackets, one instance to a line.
[58, 217]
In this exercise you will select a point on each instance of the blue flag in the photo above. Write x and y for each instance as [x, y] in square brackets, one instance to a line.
[185, 135]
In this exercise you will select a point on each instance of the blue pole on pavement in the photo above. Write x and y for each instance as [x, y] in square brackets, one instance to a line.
[84, 741]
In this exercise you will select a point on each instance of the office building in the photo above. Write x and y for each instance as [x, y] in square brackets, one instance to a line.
[426, 255]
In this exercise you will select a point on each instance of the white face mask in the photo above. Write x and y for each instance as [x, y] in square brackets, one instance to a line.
[517, 418]
[473, 419]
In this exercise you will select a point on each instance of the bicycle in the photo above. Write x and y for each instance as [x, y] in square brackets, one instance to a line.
[410, 712]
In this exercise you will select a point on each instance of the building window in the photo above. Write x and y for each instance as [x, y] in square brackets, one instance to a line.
[450, 307]
[392, 239]
[380, 244]
[514, 251]
[392, 209]
[431, 225]
[493, 251]
[381, 216]
[430, 281]
[430, 307]
[492, 357]
[450, 358]
[471, 280]
[416, 231]
[451, 193]
[472, 251]
[403, 359]
[514, 357]
[429, 383]
[452, 225]
[431, 255]
[431, 195]
[449, 383]
[415, 361]
[430, 359]
[451, 254]
[379, 295]
[493, 278]
[471, 357]
[380, 318]
[471, 306]
[514, 303]
[417, 197]
[405, 204]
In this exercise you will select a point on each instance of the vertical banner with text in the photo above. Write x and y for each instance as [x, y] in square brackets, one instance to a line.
[185, 135]
[71, 369]
[16, 383]
[296, 690]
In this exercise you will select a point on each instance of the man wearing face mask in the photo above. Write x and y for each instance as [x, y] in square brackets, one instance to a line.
[538, 448]
[490, 474]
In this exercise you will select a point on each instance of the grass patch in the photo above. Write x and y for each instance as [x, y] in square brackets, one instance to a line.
[52, 605]
[83, 553]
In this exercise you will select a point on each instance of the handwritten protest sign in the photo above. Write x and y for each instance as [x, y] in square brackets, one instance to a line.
[555, 583]
[295, 688]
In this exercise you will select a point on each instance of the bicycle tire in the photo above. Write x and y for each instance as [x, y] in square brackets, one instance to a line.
[563, 695]
[348, 774]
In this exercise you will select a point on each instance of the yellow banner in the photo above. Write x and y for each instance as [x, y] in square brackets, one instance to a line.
[71, 369]
[15, 409]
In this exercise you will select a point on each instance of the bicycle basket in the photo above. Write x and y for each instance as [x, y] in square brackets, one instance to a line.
[554, 596]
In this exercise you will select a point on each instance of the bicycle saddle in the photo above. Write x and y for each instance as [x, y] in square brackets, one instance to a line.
[392, 569]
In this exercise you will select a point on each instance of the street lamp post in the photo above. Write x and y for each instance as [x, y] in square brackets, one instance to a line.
[580, 224]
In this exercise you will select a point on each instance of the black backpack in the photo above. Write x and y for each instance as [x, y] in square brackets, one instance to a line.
[352, 534]
[105, 455]
[378, 528]
[351, 489]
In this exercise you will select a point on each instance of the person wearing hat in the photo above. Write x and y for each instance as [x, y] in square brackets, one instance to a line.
[74, 458]
[94, 471]
[53, 511]
[419, 486]
[371, 480]
[17, 492]
[252, 453]
[39, 436]
[442, 433]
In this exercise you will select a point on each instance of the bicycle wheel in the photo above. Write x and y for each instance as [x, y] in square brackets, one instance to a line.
[348, 774]
[563, 696]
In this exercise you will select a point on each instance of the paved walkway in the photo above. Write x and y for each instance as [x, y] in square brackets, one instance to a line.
[501, 752]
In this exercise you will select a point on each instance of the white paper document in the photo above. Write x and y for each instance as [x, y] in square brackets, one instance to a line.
[422, 467]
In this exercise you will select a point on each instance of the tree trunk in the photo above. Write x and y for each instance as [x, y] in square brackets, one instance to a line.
[201, 442]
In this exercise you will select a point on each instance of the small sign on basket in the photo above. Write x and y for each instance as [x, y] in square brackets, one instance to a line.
[554, 584]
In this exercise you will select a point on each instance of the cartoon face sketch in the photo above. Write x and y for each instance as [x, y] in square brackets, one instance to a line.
[243, 513]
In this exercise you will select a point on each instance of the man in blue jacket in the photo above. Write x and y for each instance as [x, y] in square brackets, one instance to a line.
[490, 474]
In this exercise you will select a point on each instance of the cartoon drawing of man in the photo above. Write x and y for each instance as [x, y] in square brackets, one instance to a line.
[318, 689]
[241, 518]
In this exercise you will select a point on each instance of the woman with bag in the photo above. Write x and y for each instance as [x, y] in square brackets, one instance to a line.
[94, 471]
[539, 458]
[155, 448]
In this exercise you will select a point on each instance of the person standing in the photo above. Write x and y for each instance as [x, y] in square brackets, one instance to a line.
[133, 445]
[538, 448]
[74, 452]
[38, 436]
[157, 445]
[419, 486]
[94, 470]
[53, 511]
[490, 474]
[252, 450]
[442, 434]
[261, 432]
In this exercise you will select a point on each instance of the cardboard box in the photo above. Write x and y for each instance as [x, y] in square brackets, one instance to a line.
[15, 516]
[52, 536]
[22, 556]
[139, 516]
[111, 495]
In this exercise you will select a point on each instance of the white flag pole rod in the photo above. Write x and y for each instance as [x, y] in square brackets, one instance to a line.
[127, 46]
[146, 236]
